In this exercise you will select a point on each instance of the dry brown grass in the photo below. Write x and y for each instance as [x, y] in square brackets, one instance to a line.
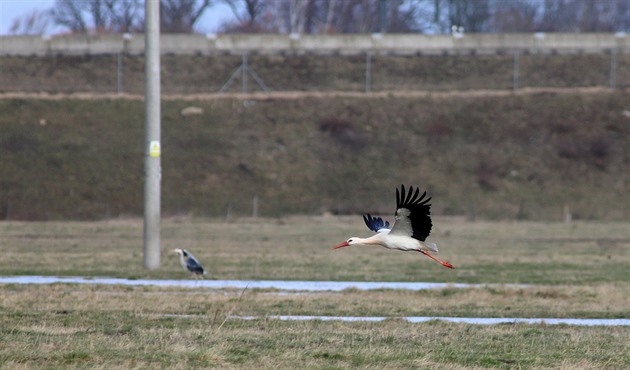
[112, 327]
[580, 271]
[601, 301]
[298, 248]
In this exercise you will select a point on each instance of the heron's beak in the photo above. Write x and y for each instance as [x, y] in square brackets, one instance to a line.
[344, 244]
[173, 250]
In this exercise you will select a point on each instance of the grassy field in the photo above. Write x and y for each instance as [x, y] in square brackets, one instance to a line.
[579, 270]
[298, 248]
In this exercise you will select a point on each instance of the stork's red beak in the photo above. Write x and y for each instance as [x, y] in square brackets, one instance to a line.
[344, 244]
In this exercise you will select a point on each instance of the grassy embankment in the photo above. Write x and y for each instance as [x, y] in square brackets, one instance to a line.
[512, 157]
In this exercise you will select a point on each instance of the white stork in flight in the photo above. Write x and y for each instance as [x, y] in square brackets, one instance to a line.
[410, 230]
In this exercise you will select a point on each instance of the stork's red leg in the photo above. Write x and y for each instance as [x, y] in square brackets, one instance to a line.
[445, 264]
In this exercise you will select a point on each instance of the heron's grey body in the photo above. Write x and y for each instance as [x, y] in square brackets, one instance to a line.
[189, 262]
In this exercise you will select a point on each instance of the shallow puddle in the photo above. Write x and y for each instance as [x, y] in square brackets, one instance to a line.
[309, 286]
[465, 320]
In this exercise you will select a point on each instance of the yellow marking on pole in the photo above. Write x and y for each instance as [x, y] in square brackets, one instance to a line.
[154, 149]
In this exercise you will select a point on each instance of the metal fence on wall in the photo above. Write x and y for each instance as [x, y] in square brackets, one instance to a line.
[206, 64]
[247, 73]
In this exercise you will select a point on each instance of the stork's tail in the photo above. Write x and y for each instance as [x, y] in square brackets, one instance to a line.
[429, 247]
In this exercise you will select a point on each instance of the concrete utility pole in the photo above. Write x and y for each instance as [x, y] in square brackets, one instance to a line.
[152, 161]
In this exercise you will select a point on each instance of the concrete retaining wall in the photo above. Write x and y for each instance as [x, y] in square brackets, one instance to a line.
[319, 44]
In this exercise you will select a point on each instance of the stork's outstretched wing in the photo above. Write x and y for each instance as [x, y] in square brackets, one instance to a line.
[376, 224]
[413, 214]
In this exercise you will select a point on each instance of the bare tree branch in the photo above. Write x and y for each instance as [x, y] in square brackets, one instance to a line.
[434, 16]
[125, 15]
[181, 15]
[33, 23]
[253, 10]
[69, 13]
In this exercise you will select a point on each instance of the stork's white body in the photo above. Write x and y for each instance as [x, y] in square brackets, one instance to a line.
[386, 239]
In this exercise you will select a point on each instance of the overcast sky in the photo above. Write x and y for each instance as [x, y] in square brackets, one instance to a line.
[11, 9]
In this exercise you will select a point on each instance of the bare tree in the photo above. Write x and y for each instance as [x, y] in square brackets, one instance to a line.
[622, 16]
[330, 13]
[181, 15]
[433, 16]
[559, 15]
[249, 14]
[125, 15]
[344, 16]
[602, 16]
[70, 13]
[253, 10]
[33, 23]
[100, 16]
[403, 16]
[290, 16]
[579, 15]
[473, 16]
[515, 16]
[297, 13]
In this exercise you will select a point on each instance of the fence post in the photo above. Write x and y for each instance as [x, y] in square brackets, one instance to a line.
[515, 73]
[228, 212]
[566, 211]
[368, 72]
[119, 76]
[613, 68]
[244, 73]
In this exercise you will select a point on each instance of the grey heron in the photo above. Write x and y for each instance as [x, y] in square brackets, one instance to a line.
[189, 262]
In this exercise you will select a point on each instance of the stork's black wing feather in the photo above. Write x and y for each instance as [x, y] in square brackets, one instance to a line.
[419, 211]
[375, 223]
